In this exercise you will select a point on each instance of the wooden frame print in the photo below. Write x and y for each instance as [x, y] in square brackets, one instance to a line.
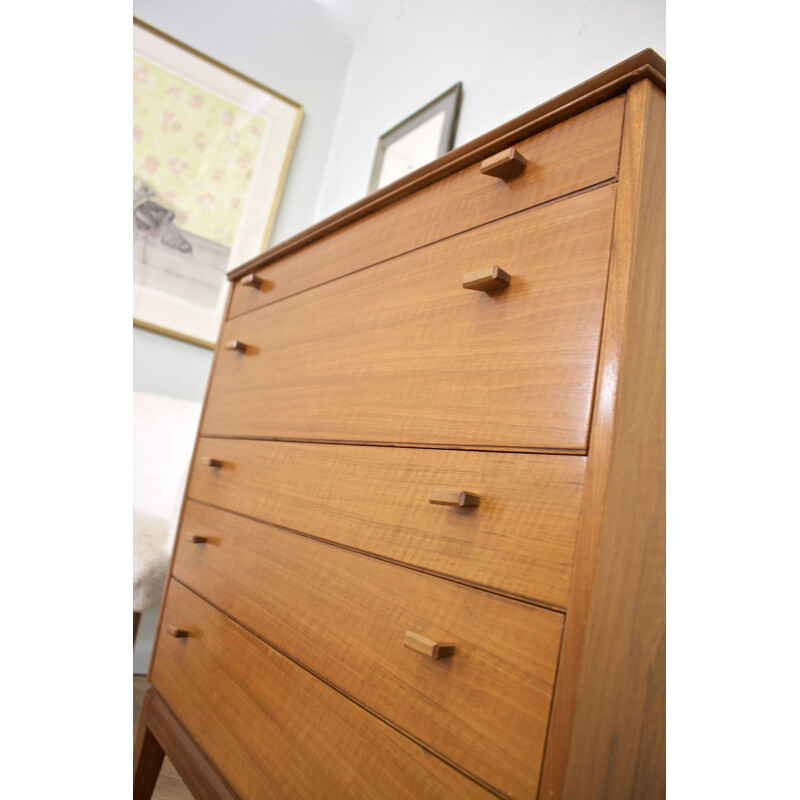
[417, 140]
[211, 149]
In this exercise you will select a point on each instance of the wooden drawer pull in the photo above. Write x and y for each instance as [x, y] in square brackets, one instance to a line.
[505, 165]
[178, 633]
[488, 279]
[236, 345]
[450, 497]
[195, 539]
[428, 647]
[252, 281]
[212, 462]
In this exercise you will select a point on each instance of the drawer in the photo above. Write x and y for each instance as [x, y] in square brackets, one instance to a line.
[276, 731]
[573, 155]
[519, 539]
[402, 353]
[346, 617]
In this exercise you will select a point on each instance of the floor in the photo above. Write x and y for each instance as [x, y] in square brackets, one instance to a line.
[169, 785]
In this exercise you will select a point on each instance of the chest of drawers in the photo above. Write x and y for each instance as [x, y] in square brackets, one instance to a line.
[421, 553]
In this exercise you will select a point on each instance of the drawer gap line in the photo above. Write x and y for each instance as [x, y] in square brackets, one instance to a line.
[474, 448]
[552, 699]
[543, 204]
[529, 601]
[349, 697]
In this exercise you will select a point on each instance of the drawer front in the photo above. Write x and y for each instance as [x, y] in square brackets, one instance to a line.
[346, 617]
[519, 539]
[274, 730]
[580, 152]
[401, 352]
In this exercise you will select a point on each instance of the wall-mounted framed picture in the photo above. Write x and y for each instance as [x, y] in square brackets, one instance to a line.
[211, 150]
[417, 140]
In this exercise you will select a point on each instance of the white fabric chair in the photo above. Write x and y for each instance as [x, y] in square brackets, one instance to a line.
[164, 430]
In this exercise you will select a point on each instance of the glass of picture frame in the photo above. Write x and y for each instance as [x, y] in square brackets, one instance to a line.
[417, 140]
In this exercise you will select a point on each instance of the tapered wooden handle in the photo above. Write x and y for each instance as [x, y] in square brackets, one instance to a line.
[505, 165]
[212, 462]
[252, 280]
[178, 633]
[235, 344]
[454, 497]
[486, 279]
[428, 647]
[195, 539]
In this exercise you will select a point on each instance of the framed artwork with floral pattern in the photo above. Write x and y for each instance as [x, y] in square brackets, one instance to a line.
[211, 149]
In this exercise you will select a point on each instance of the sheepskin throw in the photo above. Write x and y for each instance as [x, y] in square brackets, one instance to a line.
[164, 430]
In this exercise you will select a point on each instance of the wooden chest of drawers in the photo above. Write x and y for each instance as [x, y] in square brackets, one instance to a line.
[422, 548]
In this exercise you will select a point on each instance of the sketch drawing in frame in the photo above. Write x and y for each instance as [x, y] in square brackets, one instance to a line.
[211, 149]
[417, 140]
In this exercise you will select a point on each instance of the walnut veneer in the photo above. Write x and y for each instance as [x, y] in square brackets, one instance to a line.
[421, 553]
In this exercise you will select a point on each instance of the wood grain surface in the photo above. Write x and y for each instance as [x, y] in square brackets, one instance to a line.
[401, 352]
[218, 352]
[309, 667]
[519, 540]
[579, 152]
[608, 725]
[169, 785]
[159, 732]
[225, 685]
[148, 757]
[345, 616]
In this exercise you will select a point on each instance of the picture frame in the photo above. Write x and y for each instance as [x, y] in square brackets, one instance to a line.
[211, 151]
[418, 139]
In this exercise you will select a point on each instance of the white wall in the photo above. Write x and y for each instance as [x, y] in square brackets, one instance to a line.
[510, 55]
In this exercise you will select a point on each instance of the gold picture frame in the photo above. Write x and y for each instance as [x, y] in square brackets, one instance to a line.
[211, 151]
